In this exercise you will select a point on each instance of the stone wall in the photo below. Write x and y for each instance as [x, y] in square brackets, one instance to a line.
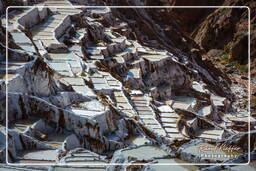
[62, 27]
[33, 17]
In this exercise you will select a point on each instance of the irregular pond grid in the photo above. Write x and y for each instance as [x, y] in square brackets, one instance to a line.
[92, 95]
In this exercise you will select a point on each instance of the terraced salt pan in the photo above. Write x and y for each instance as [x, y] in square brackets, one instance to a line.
[75, 81]
[103, 81]
[84, 157]
[146, 113]
[60, 66]
[154, 58]
[77, 50]
[146, 152]
[183, 102]
[57, 3]
[76, 67]
[138, 140]
[68, 11]
[20, 37]
[60, 57]
[84, 90]
[55, 140]
[54, 26]
[22, 41]
[123, 103]
[211, 134]
[169, 120]
[87, 113]
[38, 156]
[23, 124]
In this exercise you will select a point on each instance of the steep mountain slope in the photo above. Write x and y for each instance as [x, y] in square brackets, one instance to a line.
[116, 86]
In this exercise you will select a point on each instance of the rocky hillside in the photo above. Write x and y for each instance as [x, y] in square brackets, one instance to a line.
[219, 29]
[222, 35]
[88, 87]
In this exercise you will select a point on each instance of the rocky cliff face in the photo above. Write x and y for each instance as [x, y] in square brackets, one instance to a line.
[115, 86]
[222, 34]
[218, 28]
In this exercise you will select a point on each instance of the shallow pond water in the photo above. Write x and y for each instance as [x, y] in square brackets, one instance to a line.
[145, 152]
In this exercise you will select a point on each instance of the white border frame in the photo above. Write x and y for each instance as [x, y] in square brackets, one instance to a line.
[166, 164]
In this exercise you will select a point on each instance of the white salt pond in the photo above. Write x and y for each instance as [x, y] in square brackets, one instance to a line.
[145, 152]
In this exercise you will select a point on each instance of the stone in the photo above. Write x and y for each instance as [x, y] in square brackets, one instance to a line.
[205, 111]
[71, 142]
